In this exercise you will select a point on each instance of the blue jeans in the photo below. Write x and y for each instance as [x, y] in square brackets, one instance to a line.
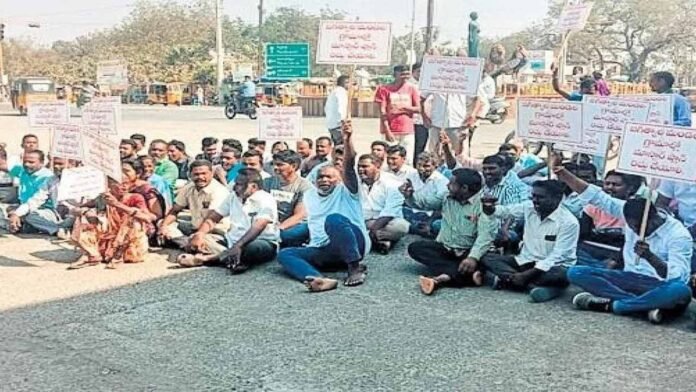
[346, 246]
[592, 256]
[294, 236]
[418, 218]
[631, 292]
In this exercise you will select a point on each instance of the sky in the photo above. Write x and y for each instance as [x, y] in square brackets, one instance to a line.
[67, 19]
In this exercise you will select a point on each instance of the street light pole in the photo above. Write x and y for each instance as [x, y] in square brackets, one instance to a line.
[429, 26]
[413, 37]
[218, 42]
[260, 48]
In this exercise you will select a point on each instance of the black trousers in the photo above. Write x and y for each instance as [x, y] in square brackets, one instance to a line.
[503, 266]
[439, 261]
[421, 140]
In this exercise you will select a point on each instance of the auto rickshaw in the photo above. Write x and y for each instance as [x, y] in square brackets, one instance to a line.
[165, 94]
[277, 93]
[31, 89]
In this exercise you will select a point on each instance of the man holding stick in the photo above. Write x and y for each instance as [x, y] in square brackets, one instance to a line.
[656, 253]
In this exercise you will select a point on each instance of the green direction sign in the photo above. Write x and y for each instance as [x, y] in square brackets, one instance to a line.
[287, 60]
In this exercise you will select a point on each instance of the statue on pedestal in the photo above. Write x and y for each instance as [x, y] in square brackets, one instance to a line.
[474, 31]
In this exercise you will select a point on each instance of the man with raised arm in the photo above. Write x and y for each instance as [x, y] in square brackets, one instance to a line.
[337, 231]
[656, 269]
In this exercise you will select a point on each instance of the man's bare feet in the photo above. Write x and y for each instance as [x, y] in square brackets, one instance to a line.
[427, 285]
[317, 285]
[356, 275]
[477, 278]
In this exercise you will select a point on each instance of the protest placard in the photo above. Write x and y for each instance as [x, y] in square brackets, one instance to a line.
[100, 118]
[81, 182]
[661, 109]
[593, 143]
[451, 75]
[610, 115]
[550, 121]
[280, 123]
[574, 17]
[660, 151]
[45, 114]
[67, 141]
[100, 152]
[355, 43]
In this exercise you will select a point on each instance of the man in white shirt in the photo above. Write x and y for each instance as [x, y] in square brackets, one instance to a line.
[424, 192]
[337, 231]
[656, 269]
[336, 108]
[550, 241]
[253, 236]
[396, 164]
[382, 204]
[201, 195]
[253, 159]
[682, 195]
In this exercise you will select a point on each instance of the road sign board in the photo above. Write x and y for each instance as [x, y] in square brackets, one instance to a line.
[287, 60]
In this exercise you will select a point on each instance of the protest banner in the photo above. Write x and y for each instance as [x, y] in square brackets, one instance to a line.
[574, 17]
[100, 118]
[659, 151]
[81, 182]
[593, 143]
[112, 75]
[67, 141]
[610, 115]
[550, 121]
[100, 152]
[45, 114]
[354, 43]
[451, 75]
[280, 123]
[661, 109]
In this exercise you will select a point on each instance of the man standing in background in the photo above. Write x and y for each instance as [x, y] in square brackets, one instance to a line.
[336, 109]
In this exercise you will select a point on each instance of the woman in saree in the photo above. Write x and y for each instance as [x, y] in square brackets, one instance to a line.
[133, 178]
[113, 228]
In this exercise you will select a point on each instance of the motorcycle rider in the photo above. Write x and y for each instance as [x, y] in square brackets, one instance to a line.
[248, 92]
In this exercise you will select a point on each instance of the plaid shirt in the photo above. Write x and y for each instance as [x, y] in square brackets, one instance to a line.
[511, 190]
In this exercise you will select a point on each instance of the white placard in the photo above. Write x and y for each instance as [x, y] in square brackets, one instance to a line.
[549, 121]
[451, 75]
[100, 152]
[661, 151]
[358, 43]
[112, 74]
[610, 115]
[100, 118]
[45, 114]
[67, 141]
[594, 143]
[662, 109]
[81, 182]
[574, 17]
[280, 123]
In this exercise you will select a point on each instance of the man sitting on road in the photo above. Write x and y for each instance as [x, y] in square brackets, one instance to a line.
[140, 141]
[396, 163]
[288, 189]
[37, 206]
[382, 204]
[683, 197]
[253, 159]
[465, 237]
[322, 157]
[379, 149]
[600, 231]
[655, 269]
[253, 236]
[549, 244]
[163, 166]
[230, 165]
[424, 192]
[177, 154]
[201, 195]
[337, 232]
[127, 149]
[305, 148]
[209, 146]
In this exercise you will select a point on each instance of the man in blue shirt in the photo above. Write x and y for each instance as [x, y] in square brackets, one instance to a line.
[587, 87]
[36, 183]
[248, 91]
[662, 83]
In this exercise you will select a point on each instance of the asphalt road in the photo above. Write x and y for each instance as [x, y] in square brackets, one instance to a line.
[151, 328]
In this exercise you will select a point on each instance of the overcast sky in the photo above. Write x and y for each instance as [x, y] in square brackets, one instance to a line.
[67, 19]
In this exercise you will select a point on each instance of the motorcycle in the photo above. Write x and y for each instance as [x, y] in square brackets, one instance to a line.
[238, 104]
[83, 99]
[498, 111]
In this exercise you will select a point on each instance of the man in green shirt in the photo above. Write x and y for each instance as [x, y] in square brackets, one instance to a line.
[466, 235]
[163, 166]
